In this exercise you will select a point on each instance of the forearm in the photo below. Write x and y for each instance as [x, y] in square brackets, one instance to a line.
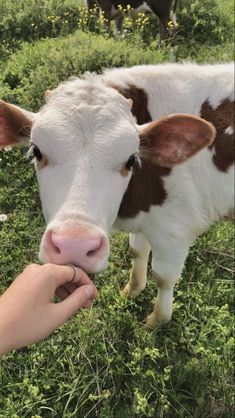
[6, 328]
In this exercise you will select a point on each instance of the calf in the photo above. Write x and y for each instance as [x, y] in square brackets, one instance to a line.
[164, 9]
[108, 155]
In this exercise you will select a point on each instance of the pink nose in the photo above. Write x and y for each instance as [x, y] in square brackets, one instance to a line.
[75, 247]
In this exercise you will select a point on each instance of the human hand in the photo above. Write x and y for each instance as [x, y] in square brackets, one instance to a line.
[27, 309]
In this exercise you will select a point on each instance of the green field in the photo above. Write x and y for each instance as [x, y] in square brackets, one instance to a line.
[104, 363]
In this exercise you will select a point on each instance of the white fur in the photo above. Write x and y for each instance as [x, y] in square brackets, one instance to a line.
[229, 130]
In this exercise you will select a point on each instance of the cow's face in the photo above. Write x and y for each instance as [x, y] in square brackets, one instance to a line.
[85, 145]
[85, 142]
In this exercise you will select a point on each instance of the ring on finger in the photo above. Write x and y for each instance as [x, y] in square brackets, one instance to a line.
[74, 273]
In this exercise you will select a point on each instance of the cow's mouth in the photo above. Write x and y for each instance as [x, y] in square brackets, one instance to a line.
[92, 276]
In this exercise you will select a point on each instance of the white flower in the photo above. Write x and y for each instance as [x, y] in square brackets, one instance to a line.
[3, 217]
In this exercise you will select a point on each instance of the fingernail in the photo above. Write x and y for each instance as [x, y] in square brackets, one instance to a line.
[89, 291]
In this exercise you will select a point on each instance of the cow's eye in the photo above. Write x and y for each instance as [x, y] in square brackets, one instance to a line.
[37, 153]
[41, 159]
[132, 160]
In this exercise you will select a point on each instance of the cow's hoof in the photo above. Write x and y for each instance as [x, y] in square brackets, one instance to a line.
[154, 321]
[151, 322]
[130, 292]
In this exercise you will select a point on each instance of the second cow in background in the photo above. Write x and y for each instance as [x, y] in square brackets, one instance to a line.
[164, 9]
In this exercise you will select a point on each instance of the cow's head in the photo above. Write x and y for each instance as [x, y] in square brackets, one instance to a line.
[85, 141]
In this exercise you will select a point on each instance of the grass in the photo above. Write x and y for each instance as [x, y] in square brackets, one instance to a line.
[104, 363]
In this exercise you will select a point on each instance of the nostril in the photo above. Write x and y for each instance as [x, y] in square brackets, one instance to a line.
[84, 247]
[75, 249]
[91, 253]
[56, 249]
[96, 245]
[52, 238]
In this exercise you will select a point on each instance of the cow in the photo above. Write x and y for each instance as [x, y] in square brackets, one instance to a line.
[164, 9]
[112, 151]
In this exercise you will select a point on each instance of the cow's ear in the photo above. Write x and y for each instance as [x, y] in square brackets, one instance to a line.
[175, 138]
[15, 124]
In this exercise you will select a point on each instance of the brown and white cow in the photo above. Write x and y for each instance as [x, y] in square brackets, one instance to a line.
[164, 9]
[87, 141]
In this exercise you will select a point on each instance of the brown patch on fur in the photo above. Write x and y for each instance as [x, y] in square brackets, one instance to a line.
[222, 117]
[146, 185]
[140, 102]
[145, 189]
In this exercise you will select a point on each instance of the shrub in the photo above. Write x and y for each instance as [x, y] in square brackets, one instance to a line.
[27, 20]
[206, 21]
[32, 20]
[199, 23]
[29, 72]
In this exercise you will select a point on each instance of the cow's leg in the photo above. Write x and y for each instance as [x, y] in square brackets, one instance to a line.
[164, 30]
[106, 8]
[93, 5]
[140, 249]
[167, 263]
[164, 19]
[118, 24]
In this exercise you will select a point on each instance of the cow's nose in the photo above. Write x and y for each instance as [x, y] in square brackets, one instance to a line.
[71, 247]
[68, 248]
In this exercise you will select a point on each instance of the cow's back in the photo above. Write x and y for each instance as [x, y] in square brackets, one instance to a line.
[177, 88]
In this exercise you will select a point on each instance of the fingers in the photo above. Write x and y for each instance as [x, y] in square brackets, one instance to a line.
[81, 297]
[79, 278]
[87, 304]
[65, 290]
[72, 285]
[66, 274]
[62, 292]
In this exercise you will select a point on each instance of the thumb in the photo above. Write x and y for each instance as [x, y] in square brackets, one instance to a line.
[75, 301]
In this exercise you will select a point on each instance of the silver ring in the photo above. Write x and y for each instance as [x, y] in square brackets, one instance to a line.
[74, 273]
